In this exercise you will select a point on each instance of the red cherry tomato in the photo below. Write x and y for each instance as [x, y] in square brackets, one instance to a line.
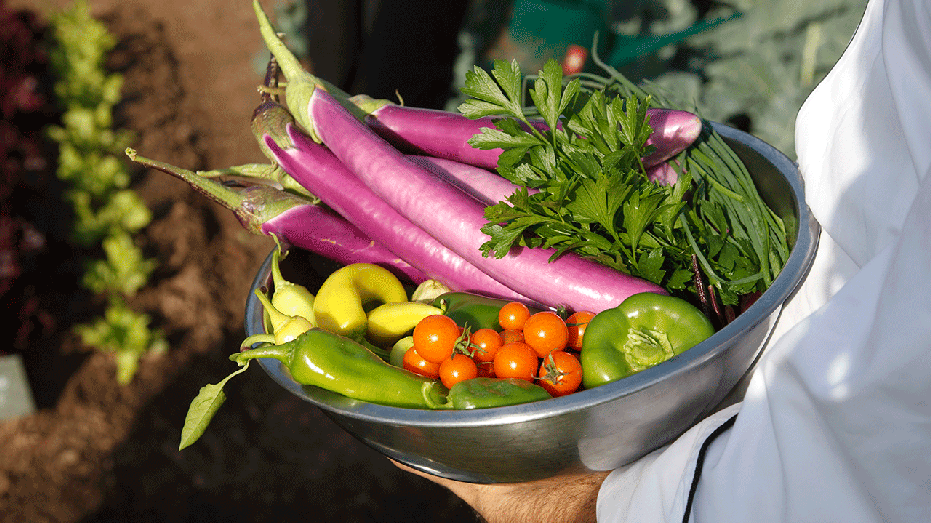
[513, 315]
[560, 373]
[516, 360]
[435, 337]
[576, 324]
[485, 344]
[415, 363]
[545, 332]
[458, 368]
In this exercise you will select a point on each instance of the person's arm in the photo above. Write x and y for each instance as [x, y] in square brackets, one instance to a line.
[569, 499]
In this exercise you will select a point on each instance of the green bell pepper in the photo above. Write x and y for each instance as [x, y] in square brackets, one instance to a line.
[644, 330]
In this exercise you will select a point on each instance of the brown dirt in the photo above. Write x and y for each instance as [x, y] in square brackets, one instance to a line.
[96, 451]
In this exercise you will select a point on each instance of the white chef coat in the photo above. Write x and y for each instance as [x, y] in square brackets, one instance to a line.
[836, 422]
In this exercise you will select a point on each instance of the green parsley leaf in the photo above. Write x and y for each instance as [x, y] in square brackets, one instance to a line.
[594, 197]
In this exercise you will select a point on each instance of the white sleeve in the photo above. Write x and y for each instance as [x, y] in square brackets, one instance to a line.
[660, 486]
[836, 421]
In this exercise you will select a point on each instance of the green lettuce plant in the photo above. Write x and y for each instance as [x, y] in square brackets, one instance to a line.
[107, 213]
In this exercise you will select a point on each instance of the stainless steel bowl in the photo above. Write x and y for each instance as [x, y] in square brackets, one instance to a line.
[596, 429]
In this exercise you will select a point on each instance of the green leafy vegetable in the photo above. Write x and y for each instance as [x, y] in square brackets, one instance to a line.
[124, 270]
[595, 197]
[125, 333]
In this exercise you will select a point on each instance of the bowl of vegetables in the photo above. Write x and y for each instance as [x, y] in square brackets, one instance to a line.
[678, 241]
[598, 428]
[651, 250]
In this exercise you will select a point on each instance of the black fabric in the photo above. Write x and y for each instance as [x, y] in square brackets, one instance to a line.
[410, 48]
[701, 461]
[334, 38]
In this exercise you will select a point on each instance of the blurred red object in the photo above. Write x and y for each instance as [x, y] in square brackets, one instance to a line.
[575, 59]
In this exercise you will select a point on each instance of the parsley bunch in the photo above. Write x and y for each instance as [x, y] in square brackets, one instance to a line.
[594, 196]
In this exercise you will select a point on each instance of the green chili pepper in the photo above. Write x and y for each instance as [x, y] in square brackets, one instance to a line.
[644, 330]
[472, 310]
[339, 364]
[484, 393]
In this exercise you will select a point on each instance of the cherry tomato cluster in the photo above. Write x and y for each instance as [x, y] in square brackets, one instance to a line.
[541, 347]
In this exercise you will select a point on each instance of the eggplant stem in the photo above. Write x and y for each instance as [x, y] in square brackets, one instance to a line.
[269, 88]
[206, 186]
[717, 308]
[270, 93]
[700, 287]
[241, 200]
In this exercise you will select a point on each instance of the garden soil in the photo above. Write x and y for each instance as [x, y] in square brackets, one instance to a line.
[96, 451]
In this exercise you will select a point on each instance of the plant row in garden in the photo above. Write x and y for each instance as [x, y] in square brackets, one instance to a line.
[107, 212]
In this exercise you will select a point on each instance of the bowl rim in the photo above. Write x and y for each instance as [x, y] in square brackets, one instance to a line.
[785, 284]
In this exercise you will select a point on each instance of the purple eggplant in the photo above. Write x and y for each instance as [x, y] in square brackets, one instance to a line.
[490, 188]
[482, 184]
[674, 131]
[455, 219]
[432, 132]
[318, 170]
[663, 174]
[445, 135]
[295, 220]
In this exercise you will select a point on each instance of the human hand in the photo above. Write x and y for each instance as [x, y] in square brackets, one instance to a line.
[569, 498]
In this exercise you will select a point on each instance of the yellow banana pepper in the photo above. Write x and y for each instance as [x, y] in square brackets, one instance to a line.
[289, 298]
[340, 304]
[285, 327]
[390, 322]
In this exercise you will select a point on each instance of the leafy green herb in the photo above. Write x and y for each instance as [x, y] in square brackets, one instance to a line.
[594, 195]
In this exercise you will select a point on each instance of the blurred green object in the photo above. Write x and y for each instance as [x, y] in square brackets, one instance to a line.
[15, 395]
[126, 334]
[628, 48]
[550, 29]
[107, 212]
[547, 28]
[758, 70]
